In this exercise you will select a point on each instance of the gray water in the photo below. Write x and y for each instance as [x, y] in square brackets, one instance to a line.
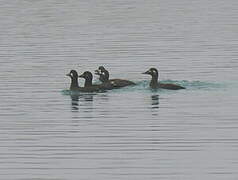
[125, 134]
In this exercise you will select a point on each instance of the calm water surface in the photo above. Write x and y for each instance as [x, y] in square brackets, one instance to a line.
[131, 133]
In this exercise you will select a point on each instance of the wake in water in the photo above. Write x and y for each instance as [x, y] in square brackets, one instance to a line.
[189, 85]
[195, 85]
[144, 86]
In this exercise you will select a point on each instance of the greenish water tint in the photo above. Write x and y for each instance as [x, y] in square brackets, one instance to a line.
[143, 86]
[198, 85]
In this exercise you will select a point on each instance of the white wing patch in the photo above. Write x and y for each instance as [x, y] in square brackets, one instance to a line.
[113, 83]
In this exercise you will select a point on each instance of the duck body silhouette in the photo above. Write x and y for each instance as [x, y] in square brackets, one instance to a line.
[88, 86]
[111, 83]
[155, 84]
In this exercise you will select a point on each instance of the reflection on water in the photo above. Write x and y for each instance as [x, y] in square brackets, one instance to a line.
[155, 101]
[81, 100]
[74, 102]
[154, 104]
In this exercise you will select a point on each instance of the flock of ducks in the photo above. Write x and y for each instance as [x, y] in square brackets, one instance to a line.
[108, 84]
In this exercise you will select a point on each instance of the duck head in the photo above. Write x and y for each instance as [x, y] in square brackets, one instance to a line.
[103, 74]
[74, 79]
[101, 68]
[152, 71]
[88, 78]
[72, 74]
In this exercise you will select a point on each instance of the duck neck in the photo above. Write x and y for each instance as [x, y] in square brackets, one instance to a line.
[88, 82]
[104, 77]
[74, 83]
[154, 81]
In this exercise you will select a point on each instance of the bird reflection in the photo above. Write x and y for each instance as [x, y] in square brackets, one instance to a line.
[86, 99]
[74, 102]
[155, 101]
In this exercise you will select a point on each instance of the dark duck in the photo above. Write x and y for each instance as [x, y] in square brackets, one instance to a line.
[155, 84]
[111, 83]
[74, 86]
[88, 87]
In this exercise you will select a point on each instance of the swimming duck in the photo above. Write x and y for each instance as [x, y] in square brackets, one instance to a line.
[154, 84]
[88, 86]
[113, 83]
[74, 83]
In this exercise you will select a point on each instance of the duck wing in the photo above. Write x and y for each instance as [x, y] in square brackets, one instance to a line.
[170, 86]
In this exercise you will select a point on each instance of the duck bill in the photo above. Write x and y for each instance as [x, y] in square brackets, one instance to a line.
[97, 72]
[81, 76]
[147, 72]
[68, 75]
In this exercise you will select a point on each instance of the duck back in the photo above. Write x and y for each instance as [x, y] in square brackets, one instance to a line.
[170, 86]
[117, 83]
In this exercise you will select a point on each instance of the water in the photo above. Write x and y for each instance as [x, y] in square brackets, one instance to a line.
[131, 133]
